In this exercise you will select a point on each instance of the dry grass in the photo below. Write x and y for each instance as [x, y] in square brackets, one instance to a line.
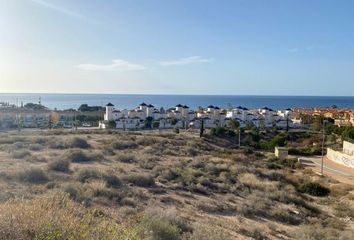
[97, 186]
[157, 186]
[56, 217]
[253, 181]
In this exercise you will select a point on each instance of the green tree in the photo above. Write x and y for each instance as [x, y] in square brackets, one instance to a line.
[148, 122]
[174, 121]
[34, 106]
[233, 124]
[348, 134]
[278, 141]
[156, 124]
[176, 130]
[112, 124]
[201, 132]
[87, 108]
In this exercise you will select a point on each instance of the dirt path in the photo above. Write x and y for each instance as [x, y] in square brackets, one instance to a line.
[336, 171]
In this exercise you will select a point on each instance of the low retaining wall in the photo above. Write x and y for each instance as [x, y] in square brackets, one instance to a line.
[341, 158]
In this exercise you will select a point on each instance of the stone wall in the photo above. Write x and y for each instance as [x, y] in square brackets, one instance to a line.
[340, 157]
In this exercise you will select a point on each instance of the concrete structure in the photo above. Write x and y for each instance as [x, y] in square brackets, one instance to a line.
[281, 152]
[344, 157]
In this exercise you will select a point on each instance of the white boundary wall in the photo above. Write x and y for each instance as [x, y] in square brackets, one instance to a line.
[341, 158]
[348, 148]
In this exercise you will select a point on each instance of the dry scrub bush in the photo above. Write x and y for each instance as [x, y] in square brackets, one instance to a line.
[36, 147]
[89, 174]
[253, 181]
[343, 210]
[126, 158]
[78, 156]
[19, 154]
[8, 139]
[158, 229]
[76, 191]
[207, 232]
[127, 201]
[216, 208]
[139, 179]
[55, 143]
[77, 142]
[124, 145]
[318, 232]
[255, 232]
[60, 165]
[339, 190]
[148, 162]
[98, 186]
[57, 217]
[39, 140]
[32, 175]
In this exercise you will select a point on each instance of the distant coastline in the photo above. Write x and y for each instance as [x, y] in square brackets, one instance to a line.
[72, 100]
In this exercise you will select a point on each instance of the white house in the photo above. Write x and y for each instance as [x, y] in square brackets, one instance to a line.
[181, 116]
[108, 116]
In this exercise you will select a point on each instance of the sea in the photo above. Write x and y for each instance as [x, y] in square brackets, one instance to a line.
[129, 101]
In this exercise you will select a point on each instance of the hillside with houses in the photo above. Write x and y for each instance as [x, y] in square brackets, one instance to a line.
[181, 116]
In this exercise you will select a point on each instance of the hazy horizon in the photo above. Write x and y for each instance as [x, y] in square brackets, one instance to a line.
[268, 48]
[170, 94]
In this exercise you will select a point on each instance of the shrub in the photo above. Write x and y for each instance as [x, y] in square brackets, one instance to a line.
[176, 130]
[222, 132]
[255, 232]
[314, 189]
[40, 140]
[123, 145]
[108, 150]
[36, 147]
[19, 154]
[208, 233]
[148, 162]
[139, 179]
[18, 145]
[98, 186]
[112, 180]
[126, 158]
[95, 156]
[61, 165]
[344, 210]
[128, 202]
[276, 163]
[71, 190]
[32, 175]
[318, 232]
[56, 144]
[166, 173]
[78, 156]
[57, 217]
[253, 181]
[305, 151]
[77, 142]
[285, 216]
[159, 229]
[86, 174]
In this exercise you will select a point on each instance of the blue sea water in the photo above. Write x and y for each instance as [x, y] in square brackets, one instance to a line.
[66, 101]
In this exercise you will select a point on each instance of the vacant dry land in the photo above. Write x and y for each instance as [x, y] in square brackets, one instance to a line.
[121, 185]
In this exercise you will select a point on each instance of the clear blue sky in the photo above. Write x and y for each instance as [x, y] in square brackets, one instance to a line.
[177, 46]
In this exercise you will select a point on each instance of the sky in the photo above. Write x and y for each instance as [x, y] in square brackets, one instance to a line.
[221, 47]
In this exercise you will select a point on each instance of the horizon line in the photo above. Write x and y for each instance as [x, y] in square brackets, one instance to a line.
[173, 94]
